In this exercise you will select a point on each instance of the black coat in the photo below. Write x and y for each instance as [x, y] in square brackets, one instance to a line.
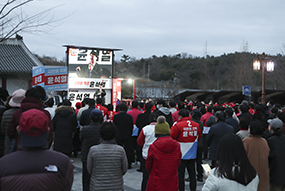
[276, 158]
[89, 135]
[85, 116]
[124, 123]
[217, 131]
[234, 123]
[64, 124]
[142, 120]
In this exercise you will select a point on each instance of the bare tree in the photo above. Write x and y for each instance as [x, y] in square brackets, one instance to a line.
[13, 19]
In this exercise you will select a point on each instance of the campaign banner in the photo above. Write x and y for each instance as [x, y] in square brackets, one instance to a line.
[89, 83]
[116, 91]
[51, 77]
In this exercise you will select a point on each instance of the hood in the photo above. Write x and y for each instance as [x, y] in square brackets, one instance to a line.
[31, 103]
[64, 111]
[166, 144]
[165, 110]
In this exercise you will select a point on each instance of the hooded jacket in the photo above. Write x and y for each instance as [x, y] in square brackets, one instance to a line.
[64, 123]
[167, 114]
[162, 163]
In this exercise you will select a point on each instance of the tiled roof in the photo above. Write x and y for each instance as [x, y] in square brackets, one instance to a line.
[15, 58]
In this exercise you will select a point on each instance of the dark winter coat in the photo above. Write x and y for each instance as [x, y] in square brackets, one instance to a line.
[142, 120]
[215, 134]
[85, 116]
[28, 103]
[36, 169]
[234, 123]
[64, 123]
[89, 136]
[276, 161]
[163, 160]
[124, 123]
[166, 113]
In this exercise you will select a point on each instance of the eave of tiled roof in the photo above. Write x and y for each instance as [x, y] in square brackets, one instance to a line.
[15, 58]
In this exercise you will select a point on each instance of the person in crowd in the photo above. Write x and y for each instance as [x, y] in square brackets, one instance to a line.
[186, 133]
[77, 107]
[215, 134]
[196, 116]
[258, 151]
[172, 107]
[212, 119]
[175, 116]
[34, 99]
[124, 124]
[85, 116]
[100, 93]
[281, 116]
[50, 107]
[145, 139]
[162, 109]
[206, 129]
[234, 172]
[64, 124]
[276, 143]
[90, 136]
[134, 112]
[243, 126]
[107, 162]
[243, 112]
[85, 106]
[102, 108]
[111, 112]
[14, 104]
[230, 120]
[163, 159]
[35, 167]
[142, 121]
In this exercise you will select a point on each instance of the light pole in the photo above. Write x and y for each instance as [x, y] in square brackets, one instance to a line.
[133, 81]
[269, 67]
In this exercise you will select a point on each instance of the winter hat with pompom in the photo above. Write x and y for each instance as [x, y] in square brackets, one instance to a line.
[162, 127]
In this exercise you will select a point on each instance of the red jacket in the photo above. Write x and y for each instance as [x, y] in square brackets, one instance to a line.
[103, 109]
[162, 162]
[205, 118]
[134, 113]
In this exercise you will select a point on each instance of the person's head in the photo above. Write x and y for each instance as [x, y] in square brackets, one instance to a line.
[183, 113]
[78, 105]
[161, 127]
[209, 108]
[196, 114]
[256, 128]
[100, 86]
[96, 115]
[110, 107]
[141, 104]
[243, 108]
[33, 128]
[17, 98]
[229, 112]
[180, 105]
[50, 102]
[281, 115]
[91, 102]
[215, 109]
[220, 116]
[172, 104]
[148, 106]
[244, 123]
[232, 161]
[3, 94]
[66, 102]
[275, 125]
[153, 117]
[86, 101]
[135, 104]
[37, 92]
[123, 107]
[99, 101]
[108, 131]
[161, 103]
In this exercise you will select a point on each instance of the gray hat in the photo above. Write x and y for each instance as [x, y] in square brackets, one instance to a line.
[275, 123]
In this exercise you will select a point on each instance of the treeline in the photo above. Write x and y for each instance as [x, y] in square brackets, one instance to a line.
[228, 71]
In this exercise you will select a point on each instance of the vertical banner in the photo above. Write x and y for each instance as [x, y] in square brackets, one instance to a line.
[116, 91]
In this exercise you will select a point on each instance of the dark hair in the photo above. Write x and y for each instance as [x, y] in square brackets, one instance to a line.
[110, 107]
[153, 116]
[216, 108]
[91, 102]
[256, 128]
[96, 118]
[66, 102]
[172, 104]
[281, 116]
[86, 101]
[196, 115]
[3, 93]
[209, 108]
[183, 113]
[148, 106]
[141, 104]
[50, 102]
[229, 111]
[99, 100]
[181, 105]
[243, 108]
[232, 155]
[221, 115]
[135, 103]
[244, 123]
[37, 92]
[108, 130]
[122, 107]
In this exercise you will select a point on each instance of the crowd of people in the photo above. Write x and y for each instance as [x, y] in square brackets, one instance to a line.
[243, 142]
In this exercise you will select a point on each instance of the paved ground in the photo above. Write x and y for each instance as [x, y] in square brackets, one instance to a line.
[132, 179]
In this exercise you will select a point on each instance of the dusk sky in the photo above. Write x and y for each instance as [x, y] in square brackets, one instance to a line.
[161, 27]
